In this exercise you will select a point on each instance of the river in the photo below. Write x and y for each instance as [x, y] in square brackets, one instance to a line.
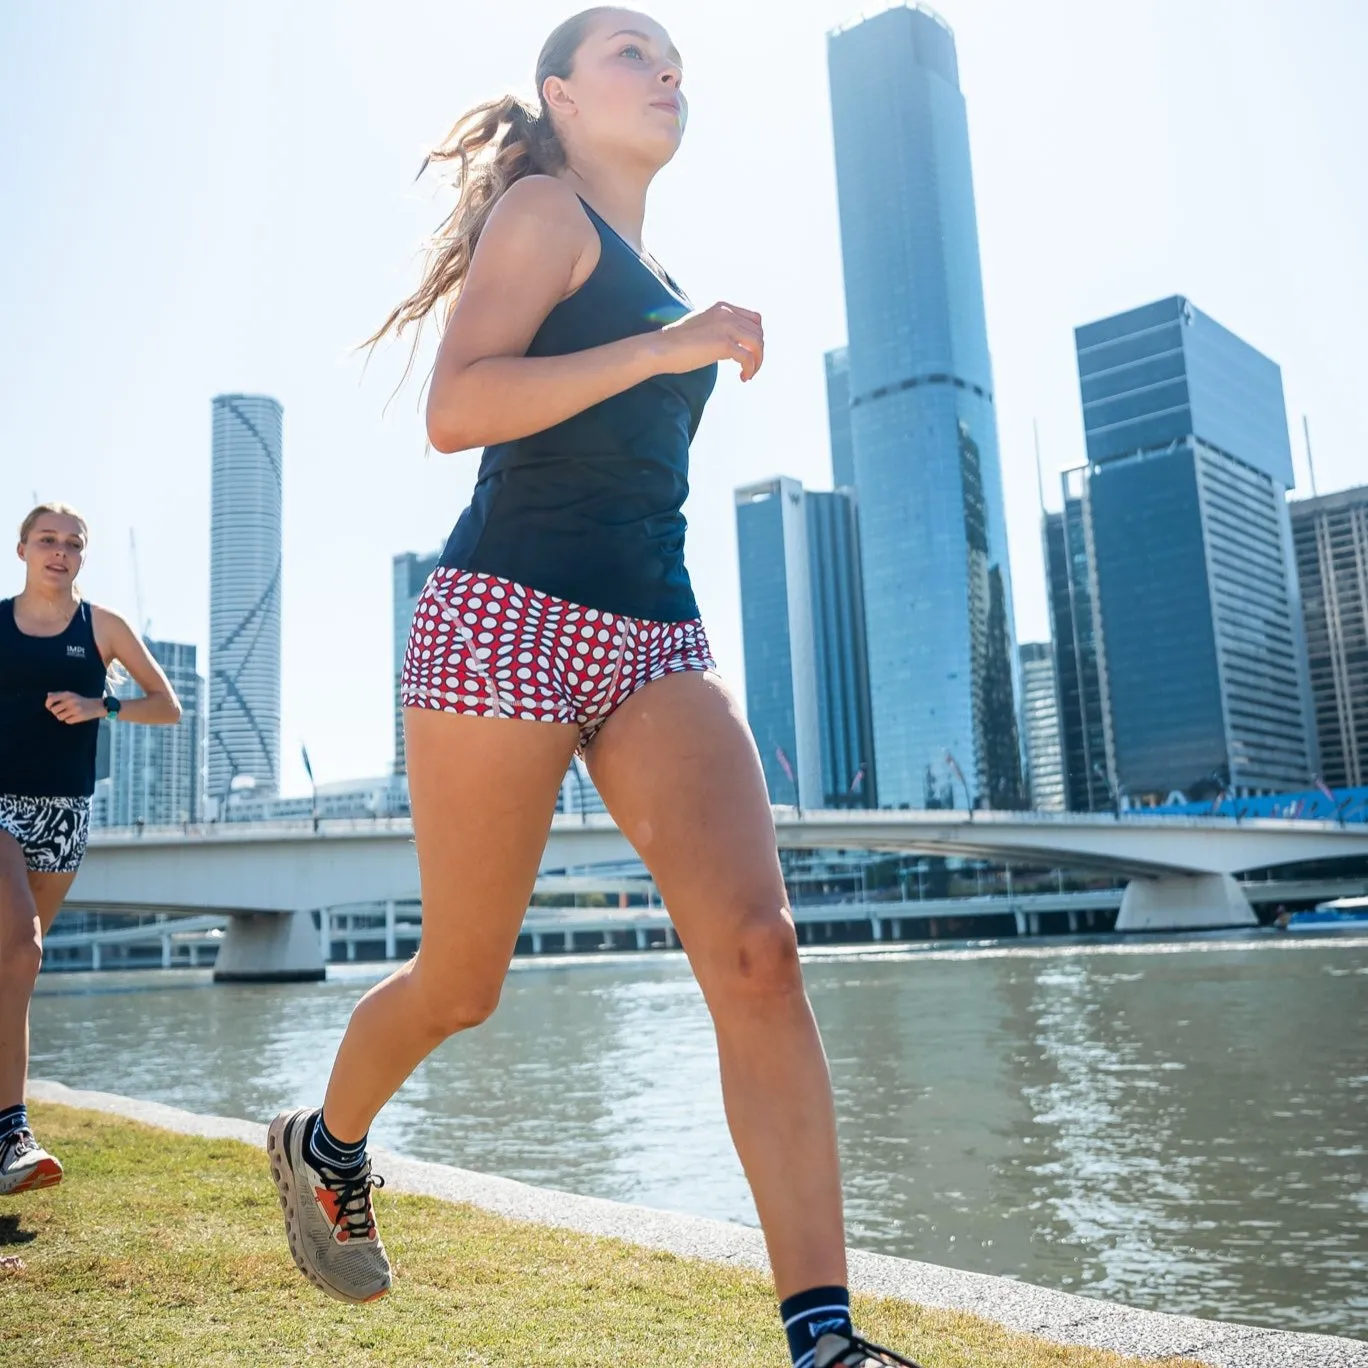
[1177, 1125]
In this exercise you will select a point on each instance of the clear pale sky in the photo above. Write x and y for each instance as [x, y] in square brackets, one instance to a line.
[199, 198]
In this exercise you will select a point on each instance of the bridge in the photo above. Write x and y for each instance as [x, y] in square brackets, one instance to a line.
[269, 878]
[566, 930]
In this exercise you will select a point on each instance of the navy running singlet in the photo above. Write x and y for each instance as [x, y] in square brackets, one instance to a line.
[41, 757]
[589, 510]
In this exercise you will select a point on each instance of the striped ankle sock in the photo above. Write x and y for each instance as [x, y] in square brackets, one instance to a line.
[13, 1119]
[326, 1150]
[809, 1315]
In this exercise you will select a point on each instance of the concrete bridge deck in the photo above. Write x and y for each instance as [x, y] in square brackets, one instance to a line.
[1181, 868]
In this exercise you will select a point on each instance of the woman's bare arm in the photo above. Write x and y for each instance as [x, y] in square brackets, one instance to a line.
[533, 252]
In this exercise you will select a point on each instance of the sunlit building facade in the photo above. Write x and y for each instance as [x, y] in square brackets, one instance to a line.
[938, 594]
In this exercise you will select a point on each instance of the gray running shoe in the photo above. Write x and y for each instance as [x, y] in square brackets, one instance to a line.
[850, 1351]
[328, 1218]
[25, 1166]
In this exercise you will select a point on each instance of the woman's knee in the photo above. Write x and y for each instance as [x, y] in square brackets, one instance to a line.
[451, 1002]
[21, 949]
[760, 959]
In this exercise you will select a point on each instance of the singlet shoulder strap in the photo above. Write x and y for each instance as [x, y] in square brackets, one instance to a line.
[606, 231]
[85, 613]
[594, 216]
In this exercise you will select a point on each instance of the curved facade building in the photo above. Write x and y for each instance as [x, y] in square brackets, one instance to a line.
[938, 595]
[243, 731]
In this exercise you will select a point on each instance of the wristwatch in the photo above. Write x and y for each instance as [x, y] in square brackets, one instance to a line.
[111, 706]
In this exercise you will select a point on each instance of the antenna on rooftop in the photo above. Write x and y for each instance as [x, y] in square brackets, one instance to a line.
[1040, 478]
[1310, 464]
[144, 626]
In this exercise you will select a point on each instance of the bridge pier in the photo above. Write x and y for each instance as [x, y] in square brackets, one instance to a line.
[270, 947]
[1184, 902]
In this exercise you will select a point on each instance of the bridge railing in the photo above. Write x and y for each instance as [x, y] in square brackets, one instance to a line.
[784, 816]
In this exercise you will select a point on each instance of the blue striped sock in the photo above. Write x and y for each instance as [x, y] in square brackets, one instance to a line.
[809, 1315]
[325, 1149]
[13, 1119]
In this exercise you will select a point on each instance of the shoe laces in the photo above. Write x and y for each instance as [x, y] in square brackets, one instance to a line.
[352, 1191]
[17, 1145]
[850, 1351]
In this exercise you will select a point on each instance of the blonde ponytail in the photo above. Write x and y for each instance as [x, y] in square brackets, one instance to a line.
[488, 148]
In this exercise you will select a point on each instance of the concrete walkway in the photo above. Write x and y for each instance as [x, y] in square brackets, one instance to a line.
[1058, 1316]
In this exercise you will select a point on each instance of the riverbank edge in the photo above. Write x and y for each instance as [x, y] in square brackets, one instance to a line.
[1058, 1316]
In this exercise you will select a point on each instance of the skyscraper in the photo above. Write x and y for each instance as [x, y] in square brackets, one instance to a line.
[807, 694]
[1203, 676]
[244, 595]
[157, 773]
[1040, 725]
[1078, 688]
[411, 572]
[838, 418]
[938, 595]
[1331, 537]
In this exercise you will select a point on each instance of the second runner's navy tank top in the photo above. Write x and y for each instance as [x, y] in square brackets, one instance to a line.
[40, 756]
[589, 510]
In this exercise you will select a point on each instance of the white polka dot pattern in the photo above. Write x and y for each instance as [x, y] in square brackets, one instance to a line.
[487, 647]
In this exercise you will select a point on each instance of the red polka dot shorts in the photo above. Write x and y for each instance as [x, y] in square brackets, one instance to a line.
[488, 647]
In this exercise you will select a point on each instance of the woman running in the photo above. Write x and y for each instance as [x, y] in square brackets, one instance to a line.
[561, 619]
[56, 650]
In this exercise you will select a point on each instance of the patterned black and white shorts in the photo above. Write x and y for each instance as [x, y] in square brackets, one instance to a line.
[51, 832]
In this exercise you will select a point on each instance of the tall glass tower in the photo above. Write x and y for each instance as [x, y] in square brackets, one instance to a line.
[838, 418]
[1202, 647]
[1331, 537]
[157, 773]
[411, 573]
[807, 694]
[938, 594]
[243, 731]
[1073, 628]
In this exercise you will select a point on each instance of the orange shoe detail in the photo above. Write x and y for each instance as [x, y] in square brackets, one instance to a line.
[46, 1174]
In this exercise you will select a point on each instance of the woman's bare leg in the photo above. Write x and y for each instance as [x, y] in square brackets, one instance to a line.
[483, 792]
[678, 769]
[28, 904]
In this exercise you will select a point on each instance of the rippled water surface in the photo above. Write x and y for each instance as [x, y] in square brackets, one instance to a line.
[1178, 1126]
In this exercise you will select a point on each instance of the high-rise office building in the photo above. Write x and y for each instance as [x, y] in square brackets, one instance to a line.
[1331, 537]
[938, 594]
[157, 773]
[807, 696]
[845, 729]
[411, 573]
[838, 418]
[1040, 727]
[243, 731]
[1078, 688]
[1203, 675]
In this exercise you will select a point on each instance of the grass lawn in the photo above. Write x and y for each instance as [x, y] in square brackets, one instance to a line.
[164, 1249]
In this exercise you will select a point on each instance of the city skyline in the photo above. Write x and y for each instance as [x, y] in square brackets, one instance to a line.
[209, 256]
